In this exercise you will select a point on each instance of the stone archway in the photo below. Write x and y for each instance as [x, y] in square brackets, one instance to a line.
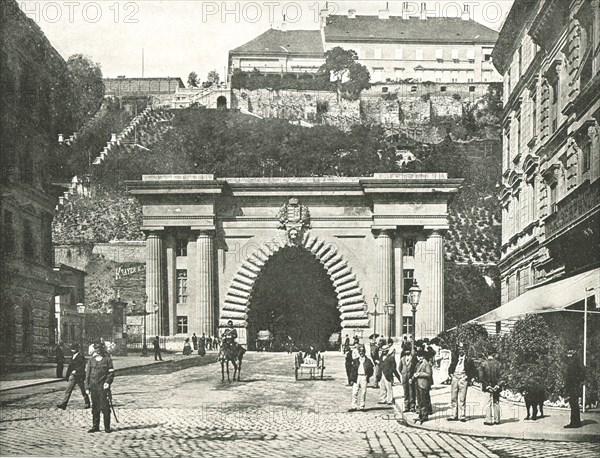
[350, 297]
[222, 102]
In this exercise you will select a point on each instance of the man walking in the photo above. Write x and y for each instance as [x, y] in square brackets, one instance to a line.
[362, 371]
[490, 383]
[573, 379]
[462, 371]
[407, 369]
[156, 345]
[99, 377]
[60, 359]
[75, 376]
[195, 341]
[388, 371]
[424, 379]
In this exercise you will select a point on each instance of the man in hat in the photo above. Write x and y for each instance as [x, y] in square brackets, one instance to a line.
[423, 378]
[195, 341]
[407, 369]
[573, 380]
[100, 373]
[490, 383]
[362, 371]
[60, 359]
[375, 357]
[388, 371]
[462, 371]
[156, 345]
[75, 376]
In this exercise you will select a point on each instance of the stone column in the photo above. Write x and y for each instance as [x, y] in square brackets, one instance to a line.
[172, 285]
[435, 309]
[205, 290]
[398, 282]
[154, 284]
[385, 272]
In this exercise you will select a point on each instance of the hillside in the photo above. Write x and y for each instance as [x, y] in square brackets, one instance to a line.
[231, 144]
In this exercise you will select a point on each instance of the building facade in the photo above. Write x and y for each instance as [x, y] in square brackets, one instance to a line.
[548, 54]
[141, 87]
[414, 46]
[209, 240]
[34, 90]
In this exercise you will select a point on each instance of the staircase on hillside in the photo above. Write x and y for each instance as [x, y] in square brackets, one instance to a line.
[150, 124]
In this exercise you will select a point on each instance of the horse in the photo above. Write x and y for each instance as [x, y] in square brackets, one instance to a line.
[231, 351]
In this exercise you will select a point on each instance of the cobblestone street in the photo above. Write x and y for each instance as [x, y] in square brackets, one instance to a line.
[170, 411]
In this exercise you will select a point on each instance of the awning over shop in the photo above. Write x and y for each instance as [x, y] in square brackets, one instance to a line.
[552, 297]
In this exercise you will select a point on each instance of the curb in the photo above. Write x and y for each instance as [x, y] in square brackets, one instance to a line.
[28, 384]
[490, 432]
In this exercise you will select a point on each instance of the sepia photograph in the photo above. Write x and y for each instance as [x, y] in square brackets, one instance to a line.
[300, 228]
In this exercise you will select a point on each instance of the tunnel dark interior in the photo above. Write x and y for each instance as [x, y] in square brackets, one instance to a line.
[293, 296]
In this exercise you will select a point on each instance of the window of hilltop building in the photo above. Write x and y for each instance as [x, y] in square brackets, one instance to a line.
[181, 247]
[409, 247]
[487, 76]
[377, 75]
[455, 55]
[182, 325]
[377, 53]
[8, 240]
[454, 76]
[399, 53]
[470, 76]
[439, 55]
[28, 241]
[443, 88]
[181, 286]
[407, 325]
[413, 89]
[419, 74]
[438, 76]
[408, 276]
[471, 88]
[419, 54]
[398, 73]
[487, 54]
[471, 56]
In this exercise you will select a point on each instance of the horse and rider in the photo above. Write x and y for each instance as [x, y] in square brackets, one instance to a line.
[230, 351]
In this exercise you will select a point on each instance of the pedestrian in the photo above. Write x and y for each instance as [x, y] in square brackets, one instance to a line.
[490, 383]
[348, 364]
[346, 343]
[209, 344]
[100, 373]
[388, 371]
[75, 377]
[59, 357]
[356, 340]
[187, 348]
[462, 371]
[573, 380]
[375, 356]
[362, 371]
[423, 377]
[156, 345]
[202, 345]
[406, 345]
[195, 341]
[407, 369]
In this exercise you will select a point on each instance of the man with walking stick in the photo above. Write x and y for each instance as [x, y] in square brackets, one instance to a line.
[99, 377]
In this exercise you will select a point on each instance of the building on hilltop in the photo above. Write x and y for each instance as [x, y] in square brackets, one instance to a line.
[34, 110]
[393, 48]
[548, 54]
[140, 87]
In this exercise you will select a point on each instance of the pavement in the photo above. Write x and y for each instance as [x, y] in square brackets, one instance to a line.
[182, 408]
[512, 414]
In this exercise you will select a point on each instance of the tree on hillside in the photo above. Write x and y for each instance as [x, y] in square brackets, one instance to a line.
[213, 77]
[193, 79]
[349, 76]
[87, 87]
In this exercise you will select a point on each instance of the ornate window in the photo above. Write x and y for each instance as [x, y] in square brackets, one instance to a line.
[181, 247]
[181, 286]
[408, 276]
[182, 325]
[409, 247]
[407, 325]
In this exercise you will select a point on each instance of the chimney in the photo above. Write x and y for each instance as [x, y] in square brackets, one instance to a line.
[423, 11]
[352, 14]
[283, 24]
[385, 14]
[466, 14]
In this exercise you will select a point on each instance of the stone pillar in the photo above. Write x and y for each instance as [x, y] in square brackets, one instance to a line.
[435, 309]
[205, 290]
[398, 282]
[154, 284]
[172, 285]
[385, 272]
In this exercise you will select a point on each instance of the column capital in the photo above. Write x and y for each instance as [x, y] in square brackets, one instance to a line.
[434, 233]
[154, 233]
[384, 232]
[205, 233]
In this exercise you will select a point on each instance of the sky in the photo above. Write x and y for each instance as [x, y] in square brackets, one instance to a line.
[179, 36]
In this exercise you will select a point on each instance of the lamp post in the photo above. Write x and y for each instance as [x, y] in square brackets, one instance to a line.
[81, 311]
[144, 347]
[389, 310]
[585, 314]
[414, 295]
[375, 313]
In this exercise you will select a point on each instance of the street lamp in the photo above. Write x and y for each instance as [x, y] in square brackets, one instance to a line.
[81, 311]
[414, 295]
[375, 313]
[585, 314]
[144, 346]
[389, 310]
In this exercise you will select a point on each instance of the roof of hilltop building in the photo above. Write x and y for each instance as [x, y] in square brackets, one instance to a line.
[396, 29]
[300, 42]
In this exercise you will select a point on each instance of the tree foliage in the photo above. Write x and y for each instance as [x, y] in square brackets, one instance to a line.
[213, 77]
[193, 79]
[350, 77]
[87, 87]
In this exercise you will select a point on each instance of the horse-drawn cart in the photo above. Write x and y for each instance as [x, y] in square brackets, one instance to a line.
[314, 367]
[264, 341]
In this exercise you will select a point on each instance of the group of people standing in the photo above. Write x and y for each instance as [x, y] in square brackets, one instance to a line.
[201, 345]
[94, 378]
